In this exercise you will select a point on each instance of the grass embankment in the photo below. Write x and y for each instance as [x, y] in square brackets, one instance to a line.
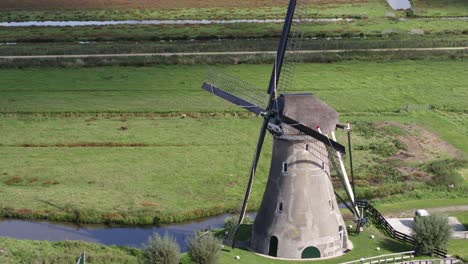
[26, 251]
[68, 153]
[229, 45]
[66, 252]
[350, 50]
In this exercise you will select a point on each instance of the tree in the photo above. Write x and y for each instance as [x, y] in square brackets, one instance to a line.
[204, 248]
[430, 232]
[161, 250]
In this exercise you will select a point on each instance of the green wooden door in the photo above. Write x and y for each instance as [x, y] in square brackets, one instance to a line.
[311, 252]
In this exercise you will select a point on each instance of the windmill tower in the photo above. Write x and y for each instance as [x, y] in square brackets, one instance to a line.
[299, 216]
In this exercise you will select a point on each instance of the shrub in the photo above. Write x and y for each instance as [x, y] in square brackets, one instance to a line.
[444, 173]
[430, 232]
[365, 129]
[230, 222]
[14, 180]
[383, 149]
[204, 249]
[161, 250]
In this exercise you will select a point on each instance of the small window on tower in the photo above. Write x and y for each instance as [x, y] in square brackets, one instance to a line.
[307, 147]
[279, 208]
[285, 167]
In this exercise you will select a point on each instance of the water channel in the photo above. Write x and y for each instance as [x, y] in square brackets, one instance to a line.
[118, 235]
[157, 22]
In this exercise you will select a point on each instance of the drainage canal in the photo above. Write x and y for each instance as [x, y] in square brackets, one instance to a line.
[121, 236]
[158, 22]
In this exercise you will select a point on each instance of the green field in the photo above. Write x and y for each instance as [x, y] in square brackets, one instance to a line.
[145, 145]
[350, 87]
[322, 9]
[371, 8]
[109, 144]
[440, 8]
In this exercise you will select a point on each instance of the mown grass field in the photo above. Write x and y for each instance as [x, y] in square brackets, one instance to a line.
[109, 144]
[349, 87]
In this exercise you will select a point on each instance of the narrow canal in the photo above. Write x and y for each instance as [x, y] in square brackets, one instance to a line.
[121, 236]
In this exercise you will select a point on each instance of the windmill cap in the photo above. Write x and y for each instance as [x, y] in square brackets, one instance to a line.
[308, 110]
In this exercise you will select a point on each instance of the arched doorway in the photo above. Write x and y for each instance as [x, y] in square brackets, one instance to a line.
[310, 252]
[341, 233]
[273, 251]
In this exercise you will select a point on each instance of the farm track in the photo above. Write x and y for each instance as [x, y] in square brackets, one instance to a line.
[225, 53]
[409, 213]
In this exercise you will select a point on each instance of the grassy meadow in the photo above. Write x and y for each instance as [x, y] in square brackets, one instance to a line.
[440, 8]
[26, 251]
[349, 87]
[122, 10]
[111, 144]
[145, 145]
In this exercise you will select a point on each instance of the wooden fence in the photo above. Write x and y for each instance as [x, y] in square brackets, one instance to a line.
[382, 223]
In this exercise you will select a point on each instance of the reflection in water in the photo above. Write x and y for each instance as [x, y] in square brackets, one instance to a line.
[399, 4]
[121, 236]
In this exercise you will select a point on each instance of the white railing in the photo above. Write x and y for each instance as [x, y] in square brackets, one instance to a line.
[388, 258]
[435, 261]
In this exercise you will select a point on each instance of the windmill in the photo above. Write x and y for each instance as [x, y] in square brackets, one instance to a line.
[299, 216]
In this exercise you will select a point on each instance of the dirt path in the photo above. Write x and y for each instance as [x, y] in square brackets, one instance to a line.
[224, 53]
[410, 213]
